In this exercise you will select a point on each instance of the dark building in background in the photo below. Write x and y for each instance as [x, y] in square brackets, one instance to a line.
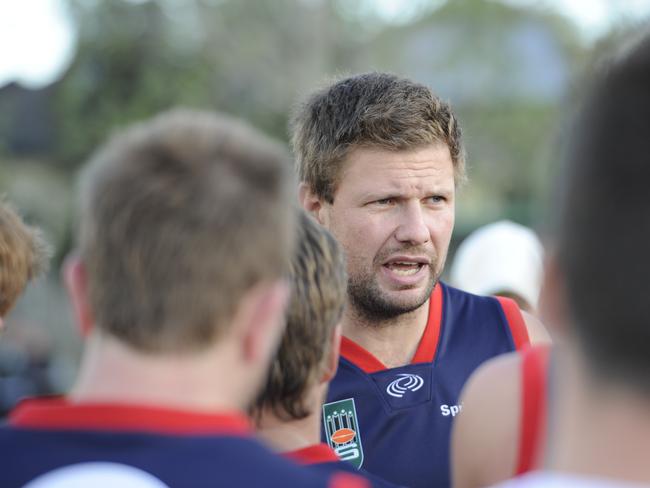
[27, 126]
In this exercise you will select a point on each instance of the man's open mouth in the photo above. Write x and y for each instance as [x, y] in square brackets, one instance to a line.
[404, 268]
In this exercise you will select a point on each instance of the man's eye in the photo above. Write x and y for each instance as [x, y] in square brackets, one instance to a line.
[436, 199]
[385, 201]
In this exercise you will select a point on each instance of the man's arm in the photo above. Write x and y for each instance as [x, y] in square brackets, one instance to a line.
[485, 437]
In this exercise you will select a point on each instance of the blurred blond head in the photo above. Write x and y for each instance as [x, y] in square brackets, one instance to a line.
[315, 308]
[181, 216]
[23, 256]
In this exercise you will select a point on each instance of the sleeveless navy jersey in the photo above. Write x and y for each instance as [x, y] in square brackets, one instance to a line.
[396, 423]
[321, 457]
[53, 443]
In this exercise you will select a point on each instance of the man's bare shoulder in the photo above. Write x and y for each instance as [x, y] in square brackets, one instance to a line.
[486, 434]
[498, 375]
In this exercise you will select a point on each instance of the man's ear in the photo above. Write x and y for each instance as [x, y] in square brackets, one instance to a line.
[76, 282]
[312, 204]
[260, 321]
[333, 352]
[553, 306]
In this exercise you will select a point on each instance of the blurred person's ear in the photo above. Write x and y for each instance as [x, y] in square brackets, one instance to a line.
[2, 323]
[333, 352]
[259, 322]
[553, 307]
[312, 204]
[76, 283]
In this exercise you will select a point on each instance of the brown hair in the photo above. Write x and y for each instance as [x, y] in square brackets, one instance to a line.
[319, 290]
[602, 224]
[369, 110]
[180, 216]
[23, 256]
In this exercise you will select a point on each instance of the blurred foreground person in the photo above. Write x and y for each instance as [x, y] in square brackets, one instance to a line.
[186, 231]
[24, 363]
[287, 413]
[23, 256]
[502, 258]
[490, 443]
[379, 158]
[595, 298]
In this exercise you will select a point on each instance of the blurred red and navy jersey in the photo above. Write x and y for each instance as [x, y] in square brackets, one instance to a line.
[56, 443]
[396, 423]
[322, 457]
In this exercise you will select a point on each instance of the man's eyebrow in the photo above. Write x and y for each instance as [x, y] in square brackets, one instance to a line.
[381, 193]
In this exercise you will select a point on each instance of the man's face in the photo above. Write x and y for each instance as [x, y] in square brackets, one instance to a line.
[393, 213]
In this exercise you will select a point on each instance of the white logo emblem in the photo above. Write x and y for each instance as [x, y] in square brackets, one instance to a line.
[405, 382]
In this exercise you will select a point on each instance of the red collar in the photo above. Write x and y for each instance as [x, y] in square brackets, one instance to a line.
[425, 352]
[316, 454]
[60, 413]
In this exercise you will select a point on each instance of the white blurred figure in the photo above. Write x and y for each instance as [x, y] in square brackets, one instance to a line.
[502, 258]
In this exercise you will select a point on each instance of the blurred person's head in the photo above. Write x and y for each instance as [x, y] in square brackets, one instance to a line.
[379, 158]
[603, 226]
[186, 230]
[502, 258]
[308, 354]
[23, 256]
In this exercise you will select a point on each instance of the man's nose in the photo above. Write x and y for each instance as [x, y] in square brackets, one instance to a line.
[412, 226]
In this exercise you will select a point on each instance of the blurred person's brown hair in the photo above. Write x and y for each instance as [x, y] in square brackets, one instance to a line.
[318, 296]
[603, 223]
[372, 110]
[24, 256]
[216, 195]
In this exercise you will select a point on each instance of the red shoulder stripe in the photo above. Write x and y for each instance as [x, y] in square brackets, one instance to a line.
[534, 368]
[515, 321]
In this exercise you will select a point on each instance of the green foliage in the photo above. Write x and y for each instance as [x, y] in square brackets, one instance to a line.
[126, 68]
[248, 58]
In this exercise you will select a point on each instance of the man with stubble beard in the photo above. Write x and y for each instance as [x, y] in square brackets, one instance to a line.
[379, 159]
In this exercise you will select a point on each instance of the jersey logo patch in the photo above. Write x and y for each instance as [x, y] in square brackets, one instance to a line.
[342, 430]
[405, 387]
[404, 383]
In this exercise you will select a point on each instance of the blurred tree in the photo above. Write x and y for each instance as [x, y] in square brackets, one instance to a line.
[246, 57]
[127, 67]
